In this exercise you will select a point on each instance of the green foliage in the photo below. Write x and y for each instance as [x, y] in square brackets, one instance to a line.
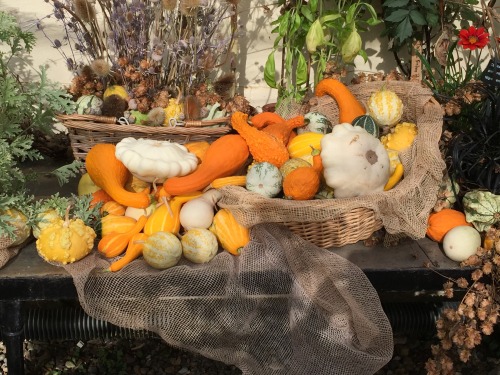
[311, 34]
[24, 108]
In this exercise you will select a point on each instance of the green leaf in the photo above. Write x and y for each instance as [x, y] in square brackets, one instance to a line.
[398, 15]
[395, 3]
[308, 15]
[313, 5]
[428, 4]
[404, 30]
[301, 73]
[270, 71]
[432, 19]
[418, 18]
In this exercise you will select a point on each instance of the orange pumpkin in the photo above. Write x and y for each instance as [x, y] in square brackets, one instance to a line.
[441, 222]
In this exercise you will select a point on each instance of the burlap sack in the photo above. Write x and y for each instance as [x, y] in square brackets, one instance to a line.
[7, 252]
[283, 306]
[402, 210]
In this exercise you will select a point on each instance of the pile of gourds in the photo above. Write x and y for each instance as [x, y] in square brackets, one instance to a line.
[159, 198]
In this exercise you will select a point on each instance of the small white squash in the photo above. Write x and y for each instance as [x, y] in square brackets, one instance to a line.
[199, 245]
[162, 250]
[154, 161]
[461, 242]
[136, 213]
[199, 212]
[264, 178]
[316, 123]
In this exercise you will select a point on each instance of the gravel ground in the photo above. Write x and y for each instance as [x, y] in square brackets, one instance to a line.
[154, 357]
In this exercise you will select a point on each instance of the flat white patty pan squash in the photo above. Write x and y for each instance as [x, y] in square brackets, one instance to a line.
[154, 161]
[355, 162]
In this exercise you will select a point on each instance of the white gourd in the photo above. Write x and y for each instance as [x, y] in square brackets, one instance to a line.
[264, 178]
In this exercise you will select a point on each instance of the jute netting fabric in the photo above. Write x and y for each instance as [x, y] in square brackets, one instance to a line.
[284, 306]
[402, 210]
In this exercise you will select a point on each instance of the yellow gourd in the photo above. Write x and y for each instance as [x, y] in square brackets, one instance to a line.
[65, 241]
[385, 107]
[199, 245]
[232, 236]
[166, 217]
[300, 146]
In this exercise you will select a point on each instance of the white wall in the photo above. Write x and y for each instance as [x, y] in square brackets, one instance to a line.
[255, 44]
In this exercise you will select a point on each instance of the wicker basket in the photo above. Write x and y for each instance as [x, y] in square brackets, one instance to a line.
[353, 226]
[403, 210]
[87, 130]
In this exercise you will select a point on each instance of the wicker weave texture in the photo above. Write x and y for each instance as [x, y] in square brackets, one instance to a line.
[85, 131]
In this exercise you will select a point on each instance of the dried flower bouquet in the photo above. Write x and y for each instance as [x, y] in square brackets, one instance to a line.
[170, 53]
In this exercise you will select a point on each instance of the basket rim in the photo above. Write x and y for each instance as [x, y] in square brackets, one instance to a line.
[108, 124]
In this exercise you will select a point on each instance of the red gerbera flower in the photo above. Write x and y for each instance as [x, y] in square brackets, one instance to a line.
[473, 38]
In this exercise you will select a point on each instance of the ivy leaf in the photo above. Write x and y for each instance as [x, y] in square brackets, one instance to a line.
[270, 71]
[404, 30]
[432, 19]
[418, 18]
[429, 4]
[398, 15]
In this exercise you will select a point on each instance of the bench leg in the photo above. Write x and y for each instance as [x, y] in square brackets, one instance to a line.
[13, 335]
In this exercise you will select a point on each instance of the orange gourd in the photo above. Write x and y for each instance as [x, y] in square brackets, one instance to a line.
[263, 119]
[282, 130]
[263, 146]
[224, 157]
[100, 196]
[166, 217]
[111, 175]
[441, 222]
[113, 208]
[349, 106]
[303, 183]
[198, 148]
[232, 236]
[133, 251]
[114, 244]
[116, 223]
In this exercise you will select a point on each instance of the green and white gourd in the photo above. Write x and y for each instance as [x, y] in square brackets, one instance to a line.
[316, 123]
[482, 209]
[265, 179]
[89, 105]
[368, 123]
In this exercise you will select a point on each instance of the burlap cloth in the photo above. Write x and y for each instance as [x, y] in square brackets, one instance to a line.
[7, 251]
[283, 306]
[403, 210]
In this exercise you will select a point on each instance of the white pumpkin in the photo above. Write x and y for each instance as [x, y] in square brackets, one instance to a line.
[154, 161]
[265, 179]
[460, 242]
[199, 245]
[89, 105]
[162, 250]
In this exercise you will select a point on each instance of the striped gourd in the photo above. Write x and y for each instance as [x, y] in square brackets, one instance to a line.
[300, 146]
[385, 107]
[368, 123]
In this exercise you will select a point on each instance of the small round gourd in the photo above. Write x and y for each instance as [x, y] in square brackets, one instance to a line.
[264, 178]
[368, 123]
[385, 107]
[439, 223]
[461, 242]
[89, 105]
[199, 245]
[162, 250]
[316, 123]
[292, 164]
